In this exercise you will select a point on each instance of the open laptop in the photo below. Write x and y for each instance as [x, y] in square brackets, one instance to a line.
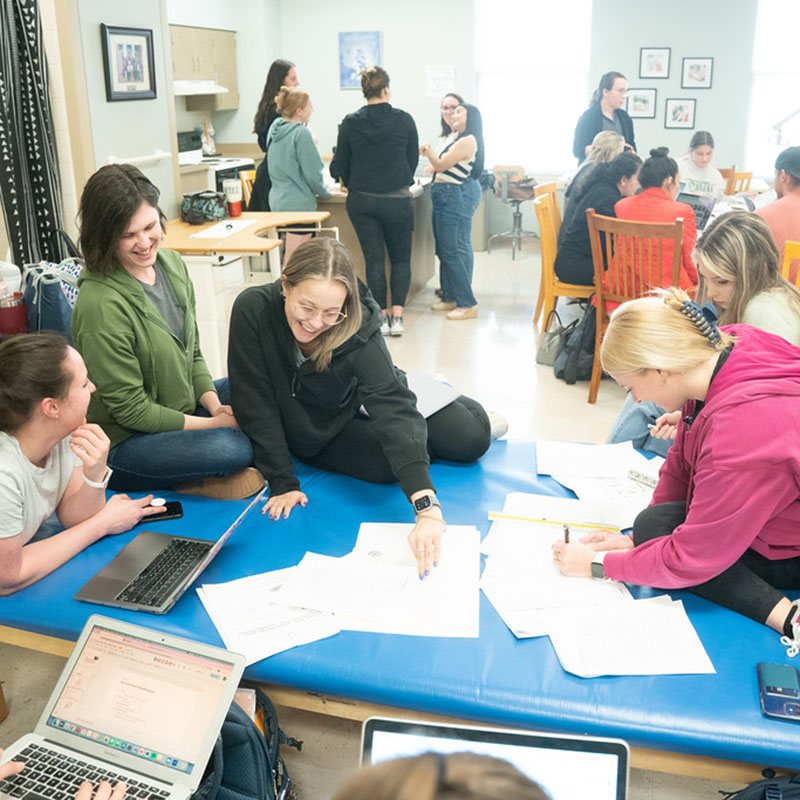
[132, 705]
[566, 767]
[153, 570]
[702, 205]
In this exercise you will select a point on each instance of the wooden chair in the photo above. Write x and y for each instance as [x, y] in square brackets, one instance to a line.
[627, 260]
[741, 182]
[505, 174]
[728, 175]
[538, 191]
[247, 177]
[791, 253]
[550, 287]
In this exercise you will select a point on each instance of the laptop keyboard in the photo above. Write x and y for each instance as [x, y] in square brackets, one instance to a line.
[54, 776]
[154, 585]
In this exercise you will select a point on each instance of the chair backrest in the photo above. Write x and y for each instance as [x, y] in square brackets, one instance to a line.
[628, 256]
[729, 175]
[503, 175]
[247, 177]
[550, 190]
[741, 182]
[791, 254]
[547, 232]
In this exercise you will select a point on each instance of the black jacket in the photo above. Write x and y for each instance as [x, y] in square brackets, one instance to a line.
[574, 257]
[377, 150]
[590, 123]
[284, 408]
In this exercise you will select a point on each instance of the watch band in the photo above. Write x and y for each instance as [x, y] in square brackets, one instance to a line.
[99, 485]
[598, 570]
[425, 502]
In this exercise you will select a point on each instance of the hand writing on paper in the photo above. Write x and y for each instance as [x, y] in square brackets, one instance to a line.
[574, 559]
[282, 504]
[607, 540]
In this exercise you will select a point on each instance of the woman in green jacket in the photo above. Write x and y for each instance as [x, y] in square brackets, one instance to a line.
[134, 324]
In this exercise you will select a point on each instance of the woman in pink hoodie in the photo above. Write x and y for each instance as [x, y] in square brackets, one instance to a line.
[724, 520]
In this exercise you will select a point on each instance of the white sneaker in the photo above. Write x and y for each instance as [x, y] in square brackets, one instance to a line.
[792, 643]
[397, 326]
[498, 423]
[386, 326]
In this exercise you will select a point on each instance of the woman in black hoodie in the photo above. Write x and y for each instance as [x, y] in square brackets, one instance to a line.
[606, 184]
[377, 153]
[306, 359]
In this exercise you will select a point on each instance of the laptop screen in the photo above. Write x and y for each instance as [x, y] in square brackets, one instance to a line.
[567, 768]
[147, 699]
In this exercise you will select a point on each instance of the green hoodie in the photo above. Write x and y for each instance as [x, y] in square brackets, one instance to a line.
[146, 378]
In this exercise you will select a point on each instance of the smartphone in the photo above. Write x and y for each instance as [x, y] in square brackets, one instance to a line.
[779, 691]
[173, 510]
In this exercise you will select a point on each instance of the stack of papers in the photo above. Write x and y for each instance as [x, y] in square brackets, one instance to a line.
[374, 588]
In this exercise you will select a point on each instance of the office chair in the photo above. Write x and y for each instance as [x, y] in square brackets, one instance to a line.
[506, 175]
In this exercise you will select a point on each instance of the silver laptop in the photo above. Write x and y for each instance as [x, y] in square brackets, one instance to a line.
[566, 767]
[153, 570]
[132, 704]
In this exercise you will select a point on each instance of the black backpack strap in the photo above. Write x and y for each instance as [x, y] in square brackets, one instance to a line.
[275, 737]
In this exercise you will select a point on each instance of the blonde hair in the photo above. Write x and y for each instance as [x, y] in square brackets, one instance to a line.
[655, 332]
[739, 247]
[327, 259]
[605, 147]
[289, 100]
[432, 776]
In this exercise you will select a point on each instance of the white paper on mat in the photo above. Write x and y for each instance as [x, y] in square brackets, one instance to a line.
[646, 637]
[249, 623]
[588, 460]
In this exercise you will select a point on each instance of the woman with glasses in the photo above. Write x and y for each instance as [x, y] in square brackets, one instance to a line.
[605, 113]
[311, 376]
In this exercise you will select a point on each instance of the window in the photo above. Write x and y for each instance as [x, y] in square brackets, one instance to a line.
[774, 118]
[533, 66]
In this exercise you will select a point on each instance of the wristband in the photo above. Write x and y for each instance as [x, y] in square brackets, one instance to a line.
[102, 484]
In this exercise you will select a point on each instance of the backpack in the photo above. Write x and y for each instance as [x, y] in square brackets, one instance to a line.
[246, 764]
[50, 291]
[785, 787]
[575, 361]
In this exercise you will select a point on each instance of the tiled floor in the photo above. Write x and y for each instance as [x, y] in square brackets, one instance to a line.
[492, 359]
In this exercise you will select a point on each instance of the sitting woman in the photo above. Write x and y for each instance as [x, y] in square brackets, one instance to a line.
[696, 170]
[606, 146]
[660, 183]
[455, 196]
[740, 274]
[135, 325]
[724, 520]
[51, 460]
[306, 354]
[606, 184]
[435, 776]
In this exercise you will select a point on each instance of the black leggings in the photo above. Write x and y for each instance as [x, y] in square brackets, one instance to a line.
[458, 432]
[378, 221]
[751, 586]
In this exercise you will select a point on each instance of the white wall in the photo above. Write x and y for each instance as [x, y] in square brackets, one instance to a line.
[257, 46]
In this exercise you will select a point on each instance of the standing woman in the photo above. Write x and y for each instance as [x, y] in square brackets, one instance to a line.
[724, 520]
[306, 355]
[376, 157]
[454, 203]
[281, 73]
[605, 113]
[696, 170]
[135, 325]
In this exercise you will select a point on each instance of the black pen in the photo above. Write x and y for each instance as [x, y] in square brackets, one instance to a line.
[566, 533]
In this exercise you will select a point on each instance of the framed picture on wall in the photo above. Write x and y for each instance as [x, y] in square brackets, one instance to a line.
[641, 103]
[654, 62]
[357, 50]
[696, 73]
[128, 63]
[679, 113]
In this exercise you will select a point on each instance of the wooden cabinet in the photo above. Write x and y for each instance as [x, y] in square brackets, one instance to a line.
[206, 54]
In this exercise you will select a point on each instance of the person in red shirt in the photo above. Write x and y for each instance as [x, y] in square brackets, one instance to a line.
[660, 183]
[783, 215]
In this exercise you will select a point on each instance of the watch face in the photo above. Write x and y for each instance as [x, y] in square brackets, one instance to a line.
[597, 570]
[421, 503]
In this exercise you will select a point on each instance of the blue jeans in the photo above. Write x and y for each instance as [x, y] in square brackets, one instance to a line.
[148, 461]
[631, 425]
[470, 198]
[449, 228]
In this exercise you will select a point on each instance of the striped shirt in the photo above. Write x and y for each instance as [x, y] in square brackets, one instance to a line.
[460, 171]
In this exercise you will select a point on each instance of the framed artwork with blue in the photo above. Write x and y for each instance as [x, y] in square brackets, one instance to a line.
[357, 50]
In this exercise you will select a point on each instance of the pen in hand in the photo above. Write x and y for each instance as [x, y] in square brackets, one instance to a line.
[566, 533]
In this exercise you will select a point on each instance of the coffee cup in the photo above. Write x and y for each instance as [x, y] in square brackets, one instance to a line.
[233, 193]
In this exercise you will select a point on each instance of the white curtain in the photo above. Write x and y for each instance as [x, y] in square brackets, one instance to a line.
[533, 84]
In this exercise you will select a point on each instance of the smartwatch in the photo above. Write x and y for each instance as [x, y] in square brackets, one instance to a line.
[425, 502]
[598, 571]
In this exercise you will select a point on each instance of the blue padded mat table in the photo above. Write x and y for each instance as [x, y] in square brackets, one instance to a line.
[494, 679]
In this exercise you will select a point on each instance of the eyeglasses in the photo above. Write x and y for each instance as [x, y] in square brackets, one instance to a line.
[328, 317]
[449, 108]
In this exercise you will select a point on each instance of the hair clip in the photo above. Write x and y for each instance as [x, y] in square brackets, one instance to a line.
[704, 319]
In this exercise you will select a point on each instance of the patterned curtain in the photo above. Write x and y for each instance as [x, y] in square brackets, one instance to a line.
[29, 179]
